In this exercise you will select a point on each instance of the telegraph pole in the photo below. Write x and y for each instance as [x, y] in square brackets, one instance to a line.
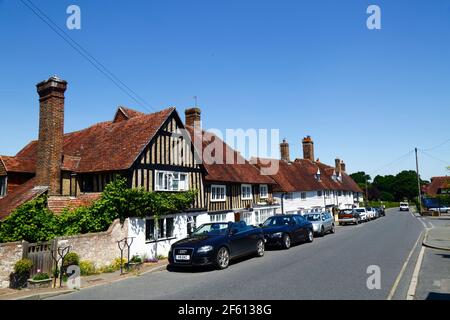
[419, 198]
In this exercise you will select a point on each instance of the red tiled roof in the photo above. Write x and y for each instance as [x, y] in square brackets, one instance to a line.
[18, 164]
[124, 113]
[19, 196]
[438, 183]
[300, 175]
[240, 171]
[106, 146]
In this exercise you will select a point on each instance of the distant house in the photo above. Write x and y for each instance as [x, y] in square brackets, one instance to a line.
[307, 185]
[438, 186]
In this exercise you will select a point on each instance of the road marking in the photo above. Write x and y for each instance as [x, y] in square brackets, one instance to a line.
[400, 275]
[415, 277]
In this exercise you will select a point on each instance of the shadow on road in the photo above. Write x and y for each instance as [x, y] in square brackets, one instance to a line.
[438, 296]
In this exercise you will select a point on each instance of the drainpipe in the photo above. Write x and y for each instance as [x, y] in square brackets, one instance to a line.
[282, 202]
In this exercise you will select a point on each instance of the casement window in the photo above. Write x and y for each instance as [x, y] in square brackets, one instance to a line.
[171, 181]
[319, 193]
[289, 196]
[3, 186]
[247, 217]
[303, 195]
[164, 230]
[339, 193]
[218, 193]
[263, 191]
[246, 192]
[262, 215]
[222, 217]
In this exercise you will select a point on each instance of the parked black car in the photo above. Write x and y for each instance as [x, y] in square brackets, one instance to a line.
[284, 230]
[216, 244]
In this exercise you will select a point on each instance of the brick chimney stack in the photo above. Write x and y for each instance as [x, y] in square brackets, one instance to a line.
[284, 151]
[193, 117]
[51, 133]
[338, 165]
[308, 148]
[343, 166]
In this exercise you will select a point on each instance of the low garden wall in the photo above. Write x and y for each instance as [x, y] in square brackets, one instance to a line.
[99, 248]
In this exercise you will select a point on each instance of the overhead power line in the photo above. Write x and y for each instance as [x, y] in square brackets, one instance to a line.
[89, 57]
[437, 146]
[395, 161]
[447, 163]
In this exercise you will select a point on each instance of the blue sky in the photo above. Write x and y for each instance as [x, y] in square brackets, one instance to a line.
[305, 67]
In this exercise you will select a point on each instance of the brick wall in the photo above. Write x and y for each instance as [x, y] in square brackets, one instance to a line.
[9, 254]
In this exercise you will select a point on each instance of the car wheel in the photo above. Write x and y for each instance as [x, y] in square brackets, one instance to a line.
[260, 248]
[310, 236]
[356, 222]
[223, 258]
[322, 231]
[333, 228]
[286, 241]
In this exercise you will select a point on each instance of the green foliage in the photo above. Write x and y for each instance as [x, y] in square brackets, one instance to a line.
[71, 259]
[390, 188]
[41, 276]
[387, 204]
[136, 259]
[32, 222]
[23, 266]
[87, 268]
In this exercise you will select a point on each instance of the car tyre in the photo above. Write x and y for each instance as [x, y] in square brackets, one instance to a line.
[322, 231]
[310, 236]
[260, 249]
[223, 258]
[333, 228]
[286, 241]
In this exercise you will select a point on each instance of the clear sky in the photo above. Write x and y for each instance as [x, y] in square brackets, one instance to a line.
[305, 67]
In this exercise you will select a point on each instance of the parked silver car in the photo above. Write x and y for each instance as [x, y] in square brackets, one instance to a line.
[322, 222]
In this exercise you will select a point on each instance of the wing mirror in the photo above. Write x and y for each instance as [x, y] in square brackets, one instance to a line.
[261, 225]
[234, 231]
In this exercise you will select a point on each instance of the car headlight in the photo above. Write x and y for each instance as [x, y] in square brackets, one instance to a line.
[205, 249]
[277, 234]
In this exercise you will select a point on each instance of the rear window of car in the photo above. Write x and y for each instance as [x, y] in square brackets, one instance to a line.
[359, 210]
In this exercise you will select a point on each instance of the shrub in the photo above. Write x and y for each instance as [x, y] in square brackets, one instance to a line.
[23, 266]
[71, 259]
[117, 263]
[41, 276]
[108, 269]
[136, 259]
[87, 268]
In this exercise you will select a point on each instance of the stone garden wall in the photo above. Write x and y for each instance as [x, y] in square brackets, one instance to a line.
[100, 248]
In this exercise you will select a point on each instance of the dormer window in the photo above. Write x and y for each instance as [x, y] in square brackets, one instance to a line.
[318, 175]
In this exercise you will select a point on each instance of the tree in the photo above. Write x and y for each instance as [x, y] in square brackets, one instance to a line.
[360, 177]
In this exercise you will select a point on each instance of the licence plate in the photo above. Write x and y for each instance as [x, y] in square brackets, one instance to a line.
[183, 257]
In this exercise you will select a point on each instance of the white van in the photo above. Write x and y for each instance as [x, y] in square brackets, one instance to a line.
[404, 206]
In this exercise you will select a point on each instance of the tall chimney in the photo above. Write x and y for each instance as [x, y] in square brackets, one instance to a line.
[284, 151]
[337, 165]
[308, 148]
[51, 133]
[343, 166]
[193, 117]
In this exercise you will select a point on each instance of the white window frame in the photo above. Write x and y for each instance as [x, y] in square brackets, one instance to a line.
[245, 186]
[214, 195]
[5, 187]
[247, 217]
[262, 187]
[156, 229]
[261, 215]
[218, 217]
[171, 177]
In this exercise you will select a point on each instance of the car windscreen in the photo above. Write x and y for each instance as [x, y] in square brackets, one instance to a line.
[346, 212]
[212, 229]
[359, 210]
[313, 217]
[276, 221]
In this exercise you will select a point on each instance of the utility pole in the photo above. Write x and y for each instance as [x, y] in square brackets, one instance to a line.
[367, 194]
[419, 197]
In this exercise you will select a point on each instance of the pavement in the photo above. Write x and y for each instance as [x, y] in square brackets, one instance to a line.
[337, 266]
[438, 238]
[86, 282]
